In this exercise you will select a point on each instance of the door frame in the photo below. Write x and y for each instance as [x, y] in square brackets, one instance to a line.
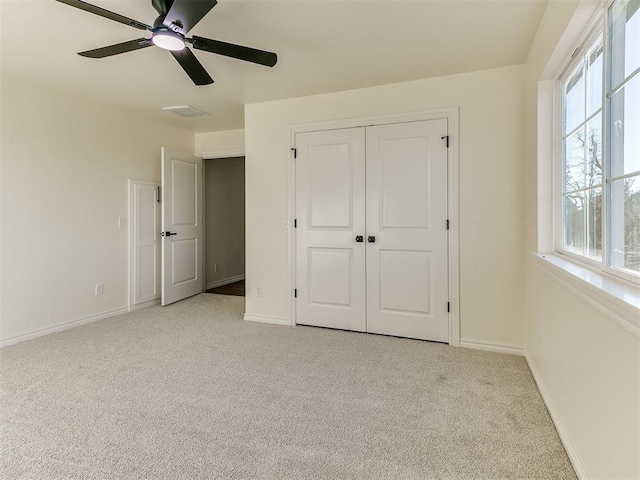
[451, 114]
[216, 154]
[219, 155]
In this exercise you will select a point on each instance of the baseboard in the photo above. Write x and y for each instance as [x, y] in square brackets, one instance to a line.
[148, 304]
[223, 282]
[492, 347]
[563, 433]
[62, 326]
[261, 319]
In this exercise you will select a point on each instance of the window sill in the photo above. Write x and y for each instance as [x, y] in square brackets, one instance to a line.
[619, 300]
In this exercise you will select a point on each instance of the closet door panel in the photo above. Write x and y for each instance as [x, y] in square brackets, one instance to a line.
[407, 267]
[330, 213]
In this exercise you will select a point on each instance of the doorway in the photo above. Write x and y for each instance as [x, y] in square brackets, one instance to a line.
[224, 226]
[222, 269]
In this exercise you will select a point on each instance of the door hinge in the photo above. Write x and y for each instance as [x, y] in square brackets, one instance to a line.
[158, 196]
[295, 223]
[448, 225]
[295, 152]
[295, 293]
[446, 137]
[448, 307]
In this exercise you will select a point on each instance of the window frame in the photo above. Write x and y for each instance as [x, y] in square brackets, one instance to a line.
[599, 26]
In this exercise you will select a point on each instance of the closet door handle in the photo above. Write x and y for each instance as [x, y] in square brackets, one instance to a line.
[359, 239]
[371, 239]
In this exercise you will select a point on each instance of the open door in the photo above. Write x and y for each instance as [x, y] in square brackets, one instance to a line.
[182, 233]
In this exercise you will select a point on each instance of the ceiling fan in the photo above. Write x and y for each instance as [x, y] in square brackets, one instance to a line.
[176, 18]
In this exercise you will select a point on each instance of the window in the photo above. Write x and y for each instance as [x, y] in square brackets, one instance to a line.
[600, 204]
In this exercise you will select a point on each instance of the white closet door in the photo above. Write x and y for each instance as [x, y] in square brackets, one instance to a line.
[330, 212]
[145, 231]
[407, 273]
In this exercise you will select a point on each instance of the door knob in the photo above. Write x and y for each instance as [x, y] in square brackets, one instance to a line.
[359, 239]
[168, 234]
[371, 239]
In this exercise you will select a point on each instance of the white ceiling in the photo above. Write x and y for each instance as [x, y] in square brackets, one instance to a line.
[322, 46]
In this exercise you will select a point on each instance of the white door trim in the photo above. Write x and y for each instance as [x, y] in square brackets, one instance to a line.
[451, 114]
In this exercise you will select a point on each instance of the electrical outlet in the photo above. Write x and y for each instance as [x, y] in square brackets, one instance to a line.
[122, 222]
[99, 288]
[258, 291]
[215, 267]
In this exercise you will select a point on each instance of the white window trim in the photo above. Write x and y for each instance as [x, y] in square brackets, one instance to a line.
[612, 295]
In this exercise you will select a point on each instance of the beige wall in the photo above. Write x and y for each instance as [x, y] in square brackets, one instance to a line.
[490, 191]
[587, 366]
[226, 143]
[65, 165]
[224, 219]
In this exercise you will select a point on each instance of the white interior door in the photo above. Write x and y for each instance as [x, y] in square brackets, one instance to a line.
[407, 257]
[145, 243]
[182, 218]
[330, 213]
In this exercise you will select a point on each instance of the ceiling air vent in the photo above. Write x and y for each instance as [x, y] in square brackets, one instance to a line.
[186, 111]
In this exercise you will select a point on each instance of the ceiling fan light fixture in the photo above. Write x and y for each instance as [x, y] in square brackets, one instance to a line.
[176, 18]
[168, 40]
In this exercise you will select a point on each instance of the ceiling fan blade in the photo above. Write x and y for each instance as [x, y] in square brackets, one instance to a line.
[232, 50]
[192, 66]
[184, 14]
[124, 47]
[161, 6]
[87, 7]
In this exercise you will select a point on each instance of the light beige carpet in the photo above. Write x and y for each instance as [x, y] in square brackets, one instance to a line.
[192, 391]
